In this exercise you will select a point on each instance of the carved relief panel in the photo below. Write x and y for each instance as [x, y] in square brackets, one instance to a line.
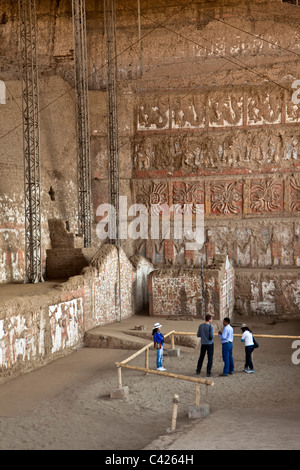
[226, 198]
[225, 109]
[153, 113]
[266, 195]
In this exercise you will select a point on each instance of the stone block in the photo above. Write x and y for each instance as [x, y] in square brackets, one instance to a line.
[120, 392]
[198, 411]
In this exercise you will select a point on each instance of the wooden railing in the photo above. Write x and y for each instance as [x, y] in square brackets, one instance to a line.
[195, 380]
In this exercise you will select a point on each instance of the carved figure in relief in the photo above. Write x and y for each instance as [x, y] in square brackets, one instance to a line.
[264, 109]
[233, 150]
[271, 108]
[292, 111]
[150, 116]
[275, 147]
[163, 156]
[232, 110]
[226, 111]
[143, 155]
[188, 113]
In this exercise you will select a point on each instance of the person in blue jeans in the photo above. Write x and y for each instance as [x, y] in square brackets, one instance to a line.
[206, 333]
[247, 338]
[158, 339]
[226, 337]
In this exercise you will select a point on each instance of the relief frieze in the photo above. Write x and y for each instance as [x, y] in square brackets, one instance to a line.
[217, 109]
[270, 195]
[236, 149]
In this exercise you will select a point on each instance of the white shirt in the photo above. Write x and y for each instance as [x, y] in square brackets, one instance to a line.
[248, 338]
[227, 334]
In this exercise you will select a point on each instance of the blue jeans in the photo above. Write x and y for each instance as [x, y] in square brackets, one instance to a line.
[159, 357]
[209, 348]
[227, 358]
[248, 362]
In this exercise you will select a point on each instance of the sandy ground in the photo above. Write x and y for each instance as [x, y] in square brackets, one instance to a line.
[67, 405]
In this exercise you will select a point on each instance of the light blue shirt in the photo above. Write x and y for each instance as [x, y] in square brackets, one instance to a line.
[227, 334]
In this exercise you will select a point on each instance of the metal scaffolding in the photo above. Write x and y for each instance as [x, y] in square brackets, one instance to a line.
[112, 120]
[82, 121]
[31, 141]
[113, 137]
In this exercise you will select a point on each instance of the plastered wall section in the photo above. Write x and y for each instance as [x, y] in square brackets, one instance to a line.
[179, 292]
[42, 328]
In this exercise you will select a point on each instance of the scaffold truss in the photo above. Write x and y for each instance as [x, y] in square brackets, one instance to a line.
[112, 120]
[31, 141]
[82, 121]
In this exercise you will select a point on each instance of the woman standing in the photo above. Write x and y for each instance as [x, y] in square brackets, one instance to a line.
[158, 339]
[247, 338]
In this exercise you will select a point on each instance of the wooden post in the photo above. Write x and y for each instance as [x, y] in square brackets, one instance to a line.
[146, 360]
[172, 342]
[119, 369]
[174, 413]
[197, 402]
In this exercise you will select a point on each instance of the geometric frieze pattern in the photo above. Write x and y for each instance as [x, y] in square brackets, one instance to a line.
[234, 197]
[213, 109]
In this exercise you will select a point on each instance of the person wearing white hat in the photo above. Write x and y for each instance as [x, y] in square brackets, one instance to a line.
[247, 339]
[158, 339]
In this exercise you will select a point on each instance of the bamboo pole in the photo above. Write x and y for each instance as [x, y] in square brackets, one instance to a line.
[166, 374]
[172, 342]
[147, 360]
[190, 333]
[174, 413]
[273, 336]
[119, 369]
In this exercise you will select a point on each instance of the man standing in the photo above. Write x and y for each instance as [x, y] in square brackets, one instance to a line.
[226, 340]
[206, 333]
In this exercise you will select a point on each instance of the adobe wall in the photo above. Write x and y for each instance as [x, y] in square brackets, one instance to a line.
[179, 292]
[36, 329]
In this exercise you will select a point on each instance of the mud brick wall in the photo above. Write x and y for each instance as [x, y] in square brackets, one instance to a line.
[179, 292]
[41, 328]
[272, 293]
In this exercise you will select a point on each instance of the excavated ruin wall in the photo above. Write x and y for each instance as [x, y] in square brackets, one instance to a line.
[34, 330]
[180, 292]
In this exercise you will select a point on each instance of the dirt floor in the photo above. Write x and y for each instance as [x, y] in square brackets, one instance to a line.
[67, 405]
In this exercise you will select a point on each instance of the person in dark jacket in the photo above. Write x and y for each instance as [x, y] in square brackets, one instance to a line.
[206, 333]
[158, 339]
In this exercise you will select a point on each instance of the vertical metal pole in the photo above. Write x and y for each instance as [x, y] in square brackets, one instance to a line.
[203, 290]
[31, 141]
[112, 131]
[82, 121]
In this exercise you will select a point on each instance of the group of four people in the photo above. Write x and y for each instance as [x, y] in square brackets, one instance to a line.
[206, 333]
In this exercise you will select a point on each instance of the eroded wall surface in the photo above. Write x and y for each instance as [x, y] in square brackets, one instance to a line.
[34, 330]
